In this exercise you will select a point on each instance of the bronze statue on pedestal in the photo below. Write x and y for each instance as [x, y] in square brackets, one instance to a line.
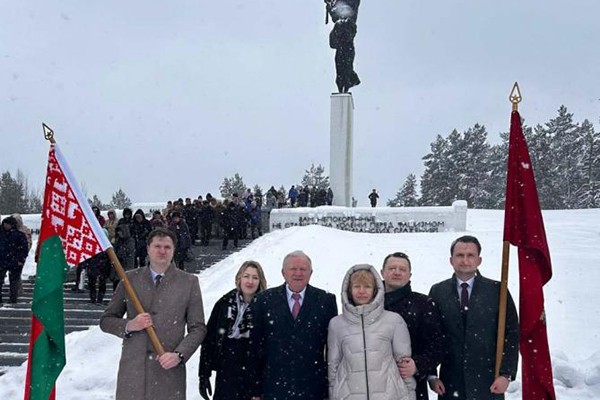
[343, 13]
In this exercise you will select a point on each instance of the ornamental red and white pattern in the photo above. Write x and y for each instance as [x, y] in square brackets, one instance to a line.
[66, 217]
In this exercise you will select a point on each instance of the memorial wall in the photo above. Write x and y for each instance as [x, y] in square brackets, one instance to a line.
[375, 220]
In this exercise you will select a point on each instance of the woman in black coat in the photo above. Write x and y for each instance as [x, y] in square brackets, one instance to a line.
[226, 347]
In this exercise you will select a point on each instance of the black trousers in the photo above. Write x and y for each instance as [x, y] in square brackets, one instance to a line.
[230, 234]
[205, 233]
[93, 278]
[14, 278]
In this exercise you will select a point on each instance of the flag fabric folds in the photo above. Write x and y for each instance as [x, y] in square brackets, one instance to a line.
[69, 234]
[524, 228]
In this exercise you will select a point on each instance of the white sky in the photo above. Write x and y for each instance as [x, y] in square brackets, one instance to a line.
[571, 296]
[166, 99]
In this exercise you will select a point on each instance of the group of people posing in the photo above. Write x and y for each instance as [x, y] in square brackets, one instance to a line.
[288, 342]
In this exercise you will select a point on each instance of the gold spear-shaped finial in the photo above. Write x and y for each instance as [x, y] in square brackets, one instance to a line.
[48, 133]
[515, 97]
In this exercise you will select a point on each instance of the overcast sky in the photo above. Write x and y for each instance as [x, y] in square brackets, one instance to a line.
[165, 99]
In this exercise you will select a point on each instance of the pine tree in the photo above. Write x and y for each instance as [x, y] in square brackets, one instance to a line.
[120, 200]
[495, 184]
[566, 149]
[95, 201]
[35, 203]
[315, 178]
[473, 161]
[539, 144]
[258, 195]
[444, 179]
[589, 193]
[458, 167]
[232, 185]
[13, 194]
[407, 195]
[435, 189]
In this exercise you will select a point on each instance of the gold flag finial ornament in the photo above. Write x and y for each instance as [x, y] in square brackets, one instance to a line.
[515, 97]
[48, 133]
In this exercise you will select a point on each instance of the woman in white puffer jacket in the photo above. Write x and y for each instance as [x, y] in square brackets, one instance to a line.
[365, 343]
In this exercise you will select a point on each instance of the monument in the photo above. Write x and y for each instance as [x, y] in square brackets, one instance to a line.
[341, 149]
[344, 14]
[375, 220]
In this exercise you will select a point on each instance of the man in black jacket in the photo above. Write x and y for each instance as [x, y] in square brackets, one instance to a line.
[190, 215]
[468, 304]
[290, 336]
[230, 224]
[12, 259]
[422, 318]
[206, 216]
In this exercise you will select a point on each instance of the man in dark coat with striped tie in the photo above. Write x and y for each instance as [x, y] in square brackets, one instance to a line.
[290, 335]
[468, 305]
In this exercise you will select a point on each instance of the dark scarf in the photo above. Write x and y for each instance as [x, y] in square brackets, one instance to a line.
[396, 295]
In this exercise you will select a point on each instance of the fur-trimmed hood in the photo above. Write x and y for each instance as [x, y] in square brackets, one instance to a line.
[370, 311]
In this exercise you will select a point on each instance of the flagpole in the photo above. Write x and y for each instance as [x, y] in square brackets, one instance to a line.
[49, 135]
[134, 299]
[515, 99]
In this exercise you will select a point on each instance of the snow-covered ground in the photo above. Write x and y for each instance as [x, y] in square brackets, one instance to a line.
[573, 315]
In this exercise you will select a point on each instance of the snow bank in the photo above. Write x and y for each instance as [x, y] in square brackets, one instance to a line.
[571, 296]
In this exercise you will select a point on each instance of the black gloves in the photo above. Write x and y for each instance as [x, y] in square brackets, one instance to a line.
[205, 389]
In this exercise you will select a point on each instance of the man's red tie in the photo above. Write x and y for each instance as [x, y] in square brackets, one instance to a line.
[296, 306]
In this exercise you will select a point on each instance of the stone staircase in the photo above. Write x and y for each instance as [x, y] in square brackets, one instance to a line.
[15, 319]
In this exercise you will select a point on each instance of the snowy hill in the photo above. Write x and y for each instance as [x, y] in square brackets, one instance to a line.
[572, 314]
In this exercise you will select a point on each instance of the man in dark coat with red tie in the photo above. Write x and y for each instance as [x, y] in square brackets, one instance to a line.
[290, 336]
[468, 305]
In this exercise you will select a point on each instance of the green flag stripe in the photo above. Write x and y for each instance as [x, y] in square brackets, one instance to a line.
[48, 354]
[48, 302]
[45, 373]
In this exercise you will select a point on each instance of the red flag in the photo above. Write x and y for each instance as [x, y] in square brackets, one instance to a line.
[69, 235]
[524, 228]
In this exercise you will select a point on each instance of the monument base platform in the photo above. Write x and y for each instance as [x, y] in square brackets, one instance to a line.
[375, 220]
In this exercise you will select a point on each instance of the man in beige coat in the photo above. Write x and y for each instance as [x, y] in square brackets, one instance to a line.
[172, 301]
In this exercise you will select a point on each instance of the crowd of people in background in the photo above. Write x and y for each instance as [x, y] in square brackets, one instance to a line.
[194, 222]
[300, 197]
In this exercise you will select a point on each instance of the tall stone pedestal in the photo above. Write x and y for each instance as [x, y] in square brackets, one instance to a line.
[340, 148]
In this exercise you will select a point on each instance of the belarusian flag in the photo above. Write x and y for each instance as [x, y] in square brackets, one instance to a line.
[524, 228]
[70, 234]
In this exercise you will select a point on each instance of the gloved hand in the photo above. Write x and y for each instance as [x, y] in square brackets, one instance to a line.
[205, 389]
